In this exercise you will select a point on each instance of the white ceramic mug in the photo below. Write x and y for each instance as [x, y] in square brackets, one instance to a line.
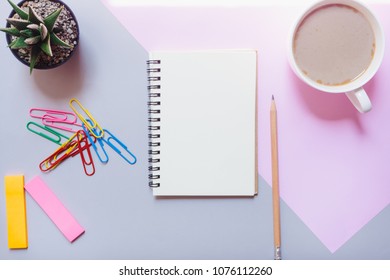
[353, 89]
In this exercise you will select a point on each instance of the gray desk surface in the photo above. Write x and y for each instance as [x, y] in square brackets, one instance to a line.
[121, 217]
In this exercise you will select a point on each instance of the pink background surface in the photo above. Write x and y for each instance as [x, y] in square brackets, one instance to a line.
[334, 161]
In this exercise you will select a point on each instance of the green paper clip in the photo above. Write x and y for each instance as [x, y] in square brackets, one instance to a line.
[46, 132]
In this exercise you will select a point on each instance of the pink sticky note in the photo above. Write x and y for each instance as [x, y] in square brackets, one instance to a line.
[54, 208]
[333, 161]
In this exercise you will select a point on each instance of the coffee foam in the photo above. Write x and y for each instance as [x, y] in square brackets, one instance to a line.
[334, 45]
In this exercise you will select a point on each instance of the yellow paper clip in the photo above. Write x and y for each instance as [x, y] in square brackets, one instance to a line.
[85, 115]
[16, 212]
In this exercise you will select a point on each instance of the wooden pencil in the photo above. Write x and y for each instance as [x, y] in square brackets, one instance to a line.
[275, 179]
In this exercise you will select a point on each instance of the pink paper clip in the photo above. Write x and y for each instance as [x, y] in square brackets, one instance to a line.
[65, 125]
[54, 115]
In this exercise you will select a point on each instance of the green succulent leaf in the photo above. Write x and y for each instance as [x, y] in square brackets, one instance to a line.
[11, 31]
[27, 33]
[33, 26]
[34, 54]
[19, 24]
[45, 46]
[12, 43]
[18, 43]
[55, 40]
[33, 40]
[18, 10]
[43, 31]
[51, 19]
[33, 17]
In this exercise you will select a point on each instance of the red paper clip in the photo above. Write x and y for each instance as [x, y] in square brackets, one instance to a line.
[86, 158]
[74, 146]
[61, 154]
[77, 149]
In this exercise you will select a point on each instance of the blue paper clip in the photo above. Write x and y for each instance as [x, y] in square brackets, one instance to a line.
[99, 140]
[46, 132]
[110, 139]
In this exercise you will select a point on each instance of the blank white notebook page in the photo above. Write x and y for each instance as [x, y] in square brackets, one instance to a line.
[207, 123]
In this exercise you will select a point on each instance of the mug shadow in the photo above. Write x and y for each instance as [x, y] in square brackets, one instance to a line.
[64, 82]
[328, 106]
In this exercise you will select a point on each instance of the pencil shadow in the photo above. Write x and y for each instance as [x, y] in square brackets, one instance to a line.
[63, 82]
[328, 106]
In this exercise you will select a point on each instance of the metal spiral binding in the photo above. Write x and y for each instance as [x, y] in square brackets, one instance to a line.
[154, 111]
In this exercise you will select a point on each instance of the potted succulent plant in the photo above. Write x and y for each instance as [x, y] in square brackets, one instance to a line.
[42, 33]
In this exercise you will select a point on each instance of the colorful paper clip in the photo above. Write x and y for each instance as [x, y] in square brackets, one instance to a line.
[77, 149]
[46, 132]
[64, 116]
[82, 139]
[60, 124]
[111, 139]
[61, 154]
[86, 157]
[103, 158]
[84, 115]
[70, 148]
[52, 118]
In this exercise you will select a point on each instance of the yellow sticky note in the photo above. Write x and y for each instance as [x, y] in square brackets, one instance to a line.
[16, 212]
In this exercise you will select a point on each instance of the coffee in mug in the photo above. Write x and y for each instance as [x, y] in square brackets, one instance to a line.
[334, 45]
[337, 46]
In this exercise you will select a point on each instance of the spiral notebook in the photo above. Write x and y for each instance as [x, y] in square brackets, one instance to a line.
[202, 123]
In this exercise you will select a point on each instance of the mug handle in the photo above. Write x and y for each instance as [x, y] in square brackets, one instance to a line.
[360, 100]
